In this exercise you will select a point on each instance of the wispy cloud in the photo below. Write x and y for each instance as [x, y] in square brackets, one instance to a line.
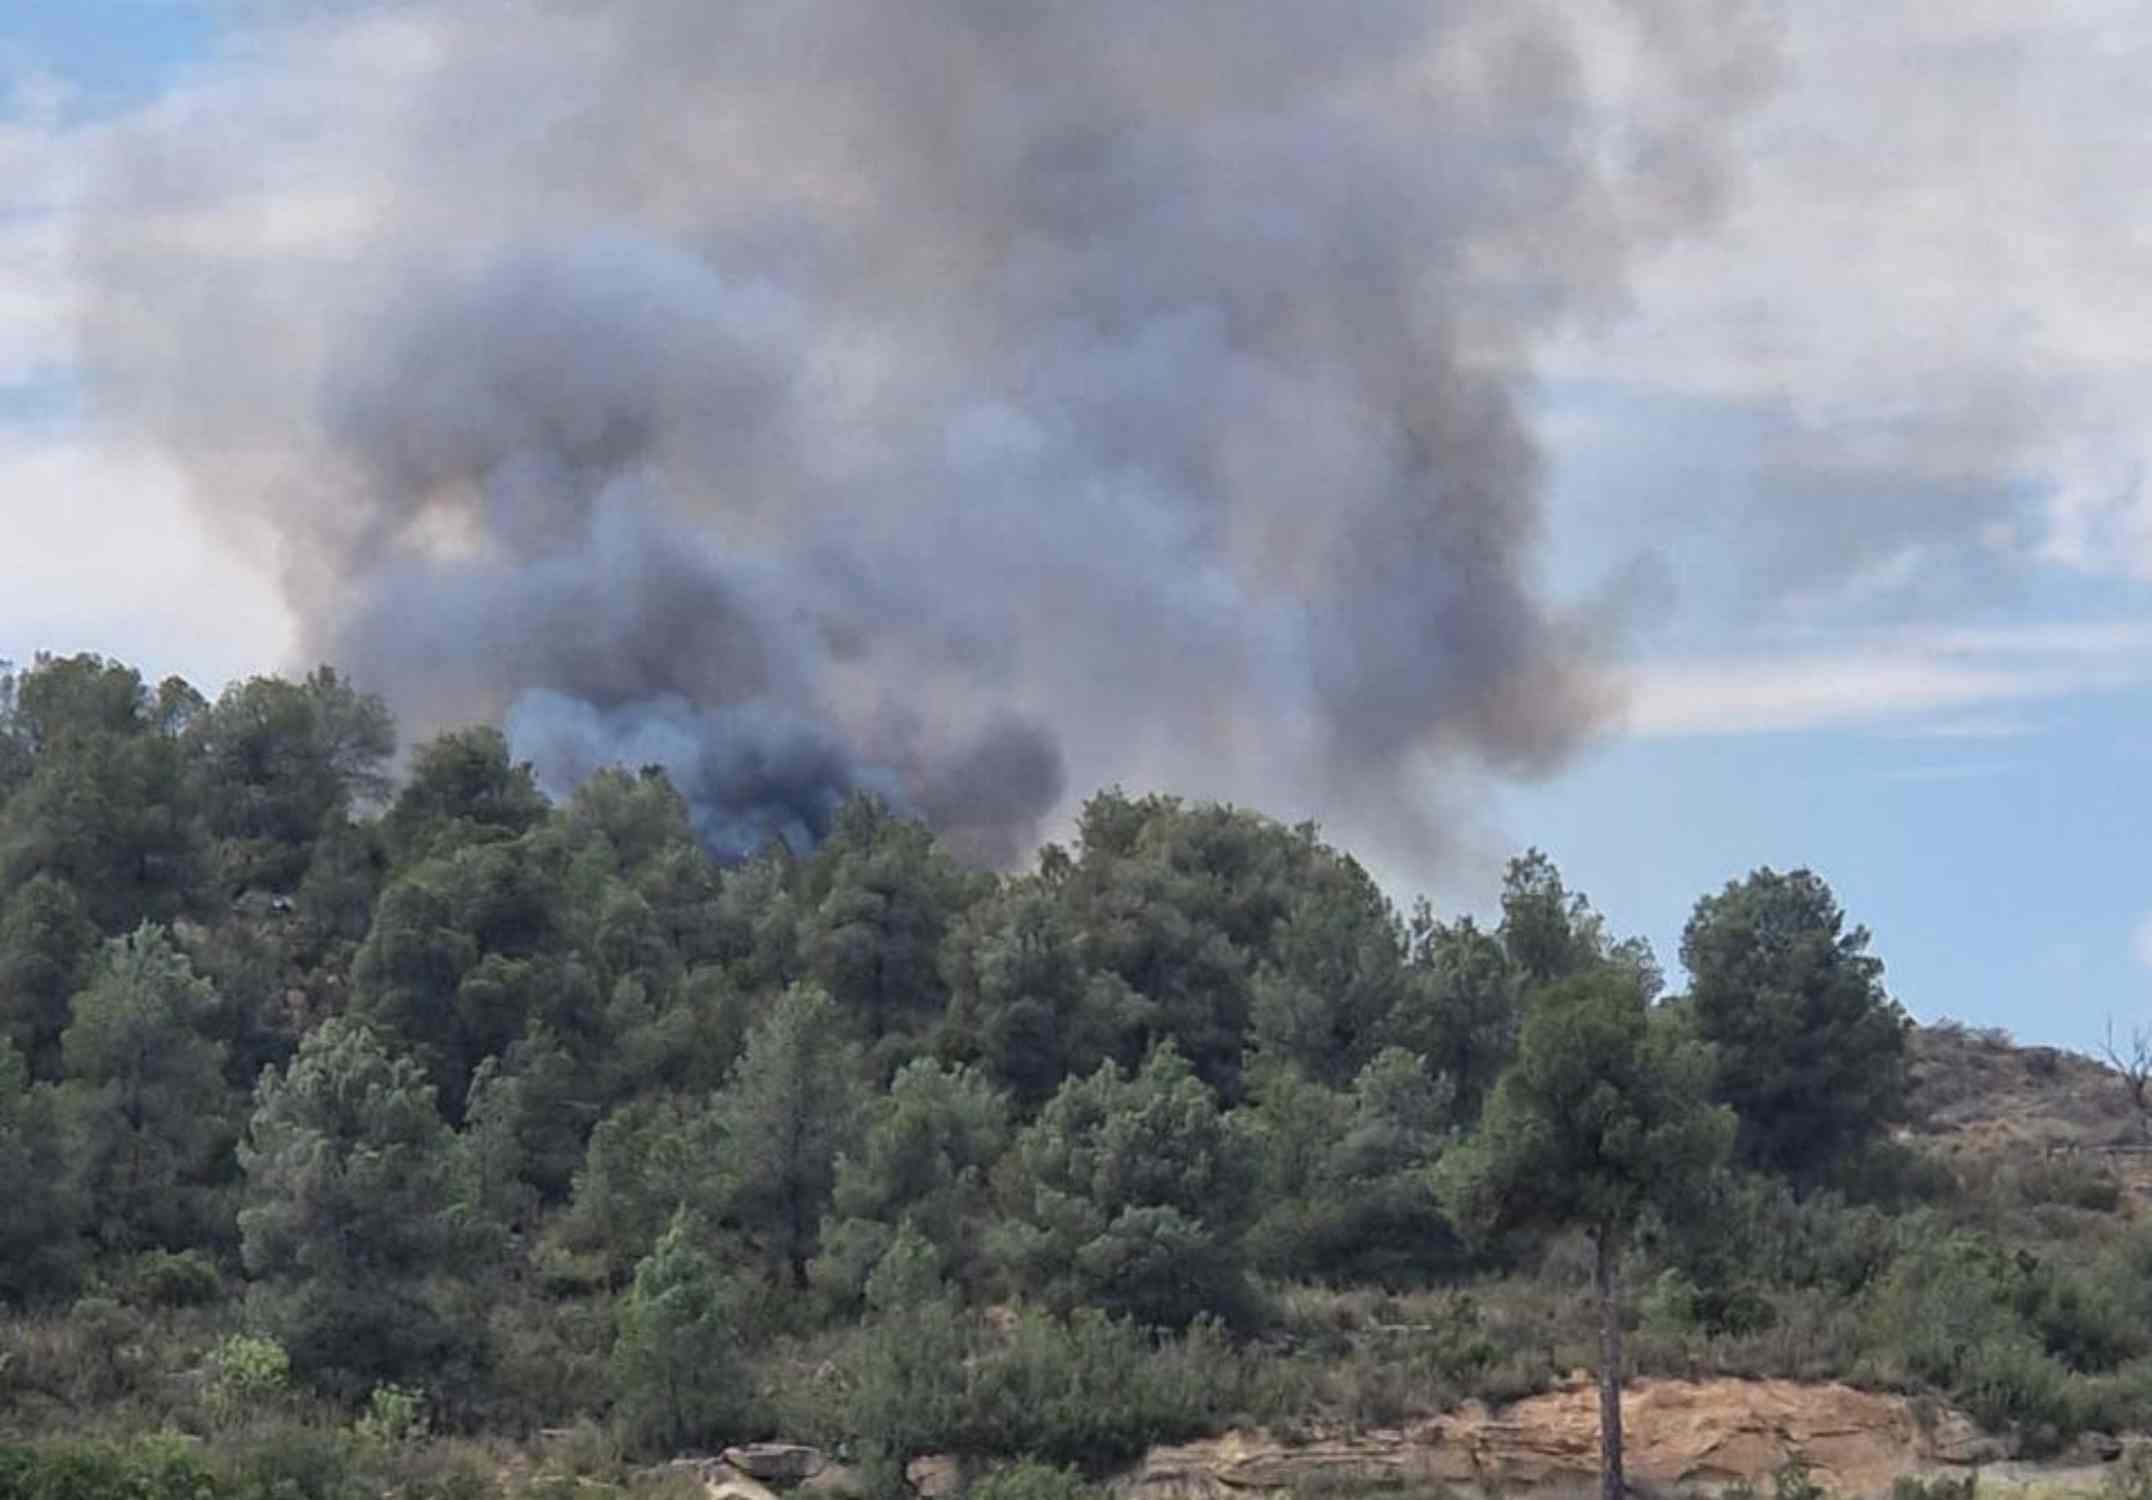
[1907, 681]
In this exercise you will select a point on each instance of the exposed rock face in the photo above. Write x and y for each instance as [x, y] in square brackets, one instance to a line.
[1679, 1433]
[784, 1464]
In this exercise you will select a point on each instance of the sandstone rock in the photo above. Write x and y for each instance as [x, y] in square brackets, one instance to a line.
[938, 1476]
[737, 1486]
[721, 1481]
[1680, 1434]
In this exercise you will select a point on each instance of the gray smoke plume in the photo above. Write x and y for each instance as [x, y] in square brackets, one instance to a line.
[968, 400]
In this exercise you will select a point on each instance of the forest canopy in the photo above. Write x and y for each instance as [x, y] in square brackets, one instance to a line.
[414, 1081]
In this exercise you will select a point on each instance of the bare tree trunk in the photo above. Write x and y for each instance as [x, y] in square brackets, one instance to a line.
[1606, 1274]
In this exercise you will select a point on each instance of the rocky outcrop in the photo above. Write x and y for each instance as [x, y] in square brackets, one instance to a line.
[1680, 1433]
[782, 1464]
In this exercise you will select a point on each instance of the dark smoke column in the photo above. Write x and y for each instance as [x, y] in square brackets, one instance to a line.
[965, 401]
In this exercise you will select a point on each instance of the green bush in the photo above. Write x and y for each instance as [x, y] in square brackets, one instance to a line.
[1440, 1355]
[1944, 1300]
[1675, 1304]
[1986, 1325]
[298, 1461]
[1760, 1233]
[2081, 1321]
[151, 1469]
[160, 1278]
[394, 1416]
[2120, 1401]
[1669, 1303]
[549, 1355]
[246, 1374]
[2011, 1384]
[1094, 1392]
[1031, 1481]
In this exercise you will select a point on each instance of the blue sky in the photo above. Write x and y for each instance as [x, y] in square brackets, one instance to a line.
[1855, 477]
[114, 52]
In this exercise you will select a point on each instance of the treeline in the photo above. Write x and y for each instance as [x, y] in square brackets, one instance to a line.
[536, 1110]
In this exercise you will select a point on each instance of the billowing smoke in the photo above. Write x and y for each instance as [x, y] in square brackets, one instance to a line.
[969, 400]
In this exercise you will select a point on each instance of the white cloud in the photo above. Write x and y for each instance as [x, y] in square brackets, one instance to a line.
[2141, 940]
[1906, 680]
[1937, 264]
[99, 551]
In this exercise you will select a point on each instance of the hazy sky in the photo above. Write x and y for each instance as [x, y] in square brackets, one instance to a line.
[1849, 461]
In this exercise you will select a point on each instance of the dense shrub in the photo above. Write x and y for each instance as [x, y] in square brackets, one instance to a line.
[1676, 1304]
[162, 1278]
[1093, 1392]
[2011, 1385]
[1759, 1232]
[297, 1461]
[1031, 1481]
[2082, 1321]
[154, 1469]
[246, 1376]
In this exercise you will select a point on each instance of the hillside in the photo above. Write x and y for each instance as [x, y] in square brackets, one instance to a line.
[359, 1137]
[1973, 1090]
[1987, 1105]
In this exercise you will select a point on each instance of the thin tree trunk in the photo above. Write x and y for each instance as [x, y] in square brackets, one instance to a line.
[1606, 1274]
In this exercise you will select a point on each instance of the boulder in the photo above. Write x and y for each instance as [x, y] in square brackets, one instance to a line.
[938, 1476]
[777, 1463]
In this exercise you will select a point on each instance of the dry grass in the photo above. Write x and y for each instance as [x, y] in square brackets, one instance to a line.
[1977, 1090]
